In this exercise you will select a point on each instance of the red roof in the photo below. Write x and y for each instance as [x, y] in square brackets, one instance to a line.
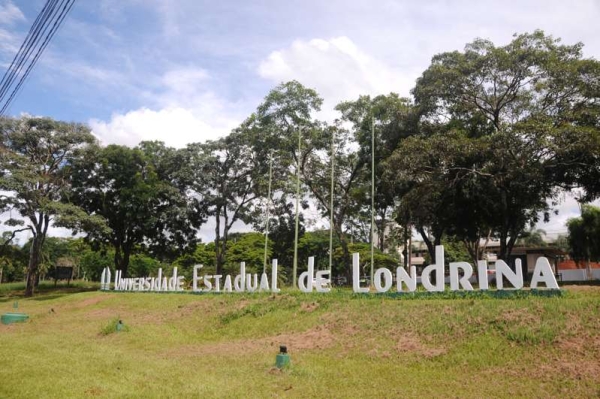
[570, 264]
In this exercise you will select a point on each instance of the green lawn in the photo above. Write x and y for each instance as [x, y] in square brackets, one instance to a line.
[341, 346]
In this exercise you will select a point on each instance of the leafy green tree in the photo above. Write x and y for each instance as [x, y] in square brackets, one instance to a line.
[529, 110]
[349, 192]
[36, 163]
[316, 243]
[584, 235]
[283, 128]
[176, 232]
[141, 207]
[248, 248]
[203, 254]
[380, 259]
[228, 177]
[282, 234]
[143, 265]
[13, 260]
[91, 263]
[391, 118]
[532, 237]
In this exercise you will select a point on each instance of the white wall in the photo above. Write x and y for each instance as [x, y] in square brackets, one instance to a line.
[573, 275]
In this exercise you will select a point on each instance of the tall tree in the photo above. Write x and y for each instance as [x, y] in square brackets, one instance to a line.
[523, 100]
[283, 128]
[36, 162]
[391, 119]
[141, 207]
[228, 176]
[349, 192]
[584, 235]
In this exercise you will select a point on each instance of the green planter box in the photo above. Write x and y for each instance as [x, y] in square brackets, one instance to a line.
[8, 318]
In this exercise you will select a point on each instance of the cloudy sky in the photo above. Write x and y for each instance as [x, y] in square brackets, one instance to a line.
[189, 70]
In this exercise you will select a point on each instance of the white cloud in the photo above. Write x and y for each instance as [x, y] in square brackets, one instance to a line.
[183, 111]
[175, 126]
[336, 68]
[9, 41]
[9, 13]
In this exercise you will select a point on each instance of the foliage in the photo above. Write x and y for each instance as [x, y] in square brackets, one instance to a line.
[227, 176]
[584, 234]
[91, 263]
[140, 202]
[203, 254]
[503, 129]
[37, 156]
[248, 248]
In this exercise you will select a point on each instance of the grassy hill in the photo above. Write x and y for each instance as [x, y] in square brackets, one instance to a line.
[341, 346]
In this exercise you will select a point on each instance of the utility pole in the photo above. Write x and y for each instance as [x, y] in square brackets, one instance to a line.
[268, 211]
[295, 264]
[372, 193]
[331, 205]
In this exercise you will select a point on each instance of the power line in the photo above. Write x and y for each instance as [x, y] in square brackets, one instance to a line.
[27, 46]
[44, 19]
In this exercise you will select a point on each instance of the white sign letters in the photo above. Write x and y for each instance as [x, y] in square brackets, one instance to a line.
[432, 278]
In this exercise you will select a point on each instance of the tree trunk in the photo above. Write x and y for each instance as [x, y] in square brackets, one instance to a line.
[34, 263]
[427, 241]
[347, 259]
[121, 259]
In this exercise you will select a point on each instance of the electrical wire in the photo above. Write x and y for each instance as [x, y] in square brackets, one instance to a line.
[27, 46]
[41, 24]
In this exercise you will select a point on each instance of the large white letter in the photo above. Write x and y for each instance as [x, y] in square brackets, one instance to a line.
[482, 274]
[356, 274]
[264, 283]
[543, 274]
[403, 277]
[305, 281]
[249, 278]
[239, 282]
[103, 279]
[438, 267]
[503, 270]
[455, 282]
[217, 278]
[322, 283]
[227, 285]
[387, 280]
[196, 278]
[274, 277]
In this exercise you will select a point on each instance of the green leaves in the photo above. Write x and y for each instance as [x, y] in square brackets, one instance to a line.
[36, 161]
[584, 234]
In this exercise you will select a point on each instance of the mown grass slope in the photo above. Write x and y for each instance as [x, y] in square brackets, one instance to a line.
[341, 346]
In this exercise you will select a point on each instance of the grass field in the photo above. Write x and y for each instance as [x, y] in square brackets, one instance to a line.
[341, 346]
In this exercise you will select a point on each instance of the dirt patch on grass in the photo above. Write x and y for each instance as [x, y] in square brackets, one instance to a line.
[319, 337]
[101, 314]
[94, 391]
[570, 369]
[412, 343]
[518, 317]
[580, 345]
[315, 338]
[201, 306]
[93, 301]
[309, 307]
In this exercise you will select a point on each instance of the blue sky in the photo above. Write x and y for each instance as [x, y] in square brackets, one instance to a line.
[183, 71]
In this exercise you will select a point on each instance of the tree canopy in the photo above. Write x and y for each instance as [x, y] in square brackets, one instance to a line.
[488, 142]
